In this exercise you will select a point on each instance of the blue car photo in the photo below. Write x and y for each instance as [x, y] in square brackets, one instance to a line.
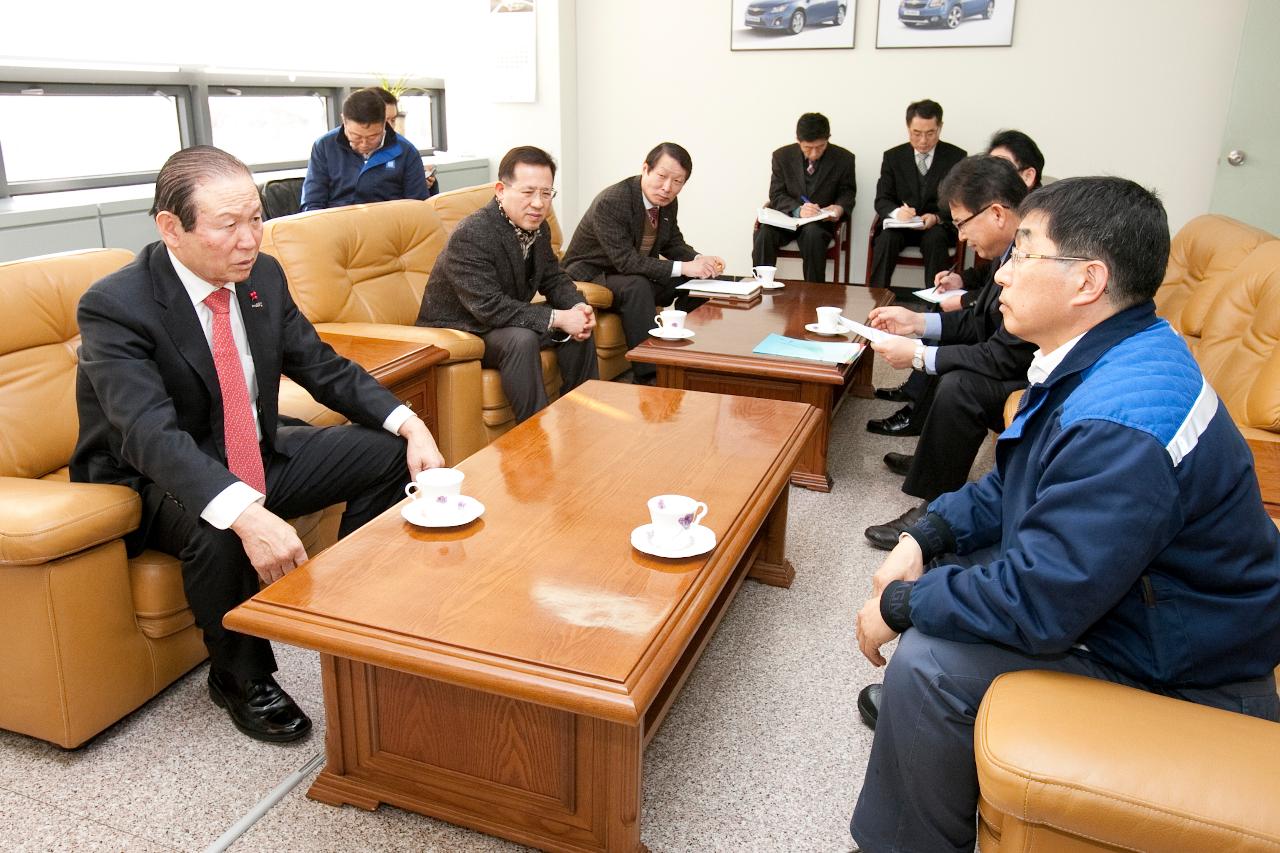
[947, 13]
[794, 15]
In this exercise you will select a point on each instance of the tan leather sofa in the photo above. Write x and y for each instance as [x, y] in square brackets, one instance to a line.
[89, 635]
[362, 270]
[611, 344]
[1202, 255]
[1070, 764]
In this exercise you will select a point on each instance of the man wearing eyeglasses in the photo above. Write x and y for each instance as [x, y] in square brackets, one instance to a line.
[362, 160]
[495, 262]
[972, 363]
[910, 175]
[630, 242]
[1121, 535]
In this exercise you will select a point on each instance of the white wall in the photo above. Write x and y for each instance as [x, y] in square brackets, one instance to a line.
[1137, 88]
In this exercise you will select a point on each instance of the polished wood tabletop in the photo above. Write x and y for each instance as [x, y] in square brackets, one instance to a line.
[389, 361]
[724, 335]
[544, 598]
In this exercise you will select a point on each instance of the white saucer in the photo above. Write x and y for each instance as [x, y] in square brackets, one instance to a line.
[770, 285]
[458, 510]
[672, 334]
[704, 539]
[813, 327]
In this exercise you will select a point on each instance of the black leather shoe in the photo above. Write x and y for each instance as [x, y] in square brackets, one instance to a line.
[899, 423]
[898, 463]
[885, 536]
[869, 704]
[895, 395]
[258, 707]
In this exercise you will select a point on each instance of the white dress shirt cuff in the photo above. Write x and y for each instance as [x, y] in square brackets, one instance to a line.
[932, 327]
[223, 510]
[930, 360]
[676, 266]
[396, 419]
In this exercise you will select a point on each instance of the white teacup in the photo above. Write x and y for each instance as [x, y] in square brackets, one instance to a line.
[764, 274]
[671, 319]
[828, 320]
[435, 486]
[672, 517]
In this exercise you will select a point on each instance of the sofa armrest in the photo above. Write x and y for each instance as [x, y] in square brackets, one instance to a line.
[42, 520]
[1127, 768]
[1266, 462]
[461, 346]
[597, 295]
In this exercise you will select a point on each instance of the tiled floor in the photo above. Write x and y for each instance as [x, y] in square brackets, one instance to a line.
[762, 751]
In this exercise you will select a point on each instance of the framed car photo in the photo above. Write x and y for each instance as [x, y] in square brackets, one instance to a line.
[791, 24]
[945, 23]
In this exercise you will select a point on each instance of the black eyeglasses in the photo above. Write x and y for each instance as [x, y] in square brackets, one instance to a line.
[961, 223]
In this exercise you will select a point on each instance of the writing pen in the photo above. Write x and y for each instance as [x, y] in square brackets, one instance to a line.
[804, 199]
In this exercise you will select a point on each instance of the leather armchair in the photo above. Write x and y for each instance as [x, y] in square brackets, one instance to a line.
[611, 344]
[1068, 764]
[89, 635]
[1202, 256]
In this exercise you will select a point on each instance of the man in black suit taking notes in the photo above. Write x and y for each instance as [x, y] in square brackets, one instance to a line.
[908, 188]
[809, 176]
[178, 390]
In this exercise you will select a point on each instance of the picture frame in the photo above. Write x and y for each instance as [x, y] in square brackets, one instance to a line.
[945, 23]
[792, 24]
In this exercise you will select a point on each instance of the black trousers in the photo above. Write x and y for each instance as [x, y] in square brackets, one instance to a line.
[362, 466]
[637, 300]
[812, 239]
[934, 243]
[958, 408]
[516, 354]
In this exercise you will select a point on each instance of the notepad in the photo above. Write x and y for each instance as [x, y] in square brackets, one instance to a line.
[778, 219]
[931, 294]
[836, 353]
[712, 288]
[914, 222]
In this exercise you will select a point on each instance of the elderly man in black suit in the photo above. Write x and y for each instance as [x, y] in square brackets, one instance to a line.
[809, 176]
[909, 177]
[180, 362]
[630, 242]
[493, 264]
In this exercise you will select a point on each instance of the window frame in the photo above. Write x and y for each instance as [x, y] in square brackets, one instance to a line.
[191, 89]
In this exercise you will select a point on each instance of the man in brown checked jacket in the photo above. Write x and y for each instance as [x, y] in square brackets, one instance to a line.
[629, 241]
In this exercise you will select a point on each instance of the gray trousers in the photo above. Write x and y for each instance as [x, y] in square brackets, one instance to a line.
[515, 353]
[920, 793]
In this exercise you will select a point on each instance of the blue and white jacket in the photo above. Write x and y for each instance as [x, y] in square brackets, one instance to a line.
[338, 176]
[1123, 518]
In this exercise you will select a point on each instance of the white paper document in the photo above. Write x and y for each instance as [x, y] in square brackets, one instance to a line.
[873, 335]
[743, 289]
[931, 294]
[914, 222]
[769, 216]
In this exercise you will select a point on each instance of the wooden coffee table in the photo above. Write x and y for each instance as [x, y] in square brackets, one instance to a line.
[506, 675]
[719, 358]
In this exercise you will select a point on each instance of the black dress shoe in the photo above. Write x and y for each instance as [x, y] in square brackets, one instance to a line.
[885, 536]
[898, 463]
[899, 423]
[869, 704]
[258, 707]
[894, 395]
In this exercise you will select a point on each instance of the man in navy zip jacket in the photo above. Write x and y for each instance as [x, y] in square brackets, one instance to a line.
[1121, 535]
[362, 160]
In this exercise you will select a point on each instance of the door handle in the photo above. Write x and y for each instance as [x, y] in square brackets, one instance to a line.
[1235, 157]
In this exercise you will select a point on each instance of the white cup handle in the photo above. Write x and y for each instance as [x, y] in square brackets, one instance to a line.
[411, 490]
[658, 319]
[699, 513]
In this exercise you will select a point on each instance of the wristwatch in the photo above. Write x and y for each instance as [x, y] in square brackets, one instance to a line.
[917, 358]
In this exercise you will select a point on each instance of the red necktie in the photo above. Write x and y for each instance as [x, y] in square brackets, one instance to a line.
[653, 216]
[244, 458]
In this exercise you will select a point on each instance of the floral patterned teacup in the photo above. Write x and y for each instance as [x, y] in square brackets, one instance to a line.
[673, 516]
[434, 487]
